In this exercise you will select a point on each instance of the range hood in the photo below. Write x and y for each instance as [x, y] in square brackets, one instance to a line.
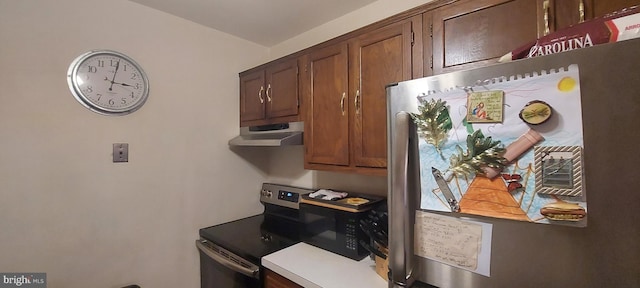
[283, 134]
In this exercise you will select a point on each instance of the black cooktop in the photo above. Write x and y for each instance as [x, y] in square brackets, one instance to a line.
[254, 237]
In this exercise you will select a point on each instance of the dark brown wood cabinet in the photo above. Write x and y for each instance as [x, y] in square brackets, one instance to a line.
[472, 33]
[275, 280]
[325, 87]
[339, 90]
[600, 8]
[270, 94]
[558, 14]
[376, 59]
[344, 88]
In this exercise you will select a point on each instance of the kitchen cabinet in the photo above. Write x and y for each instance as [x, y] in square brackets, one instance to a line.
[326, 126]
[600, 8]
[339, 89]
[344, 88]
[561, 14]
[376, 60]
[270, 94]
[472, 33]
[275, 280]
[558, 14]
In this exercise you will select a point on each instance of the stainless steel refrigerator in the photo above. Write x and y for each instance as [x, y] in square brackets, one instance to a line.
[599, 248]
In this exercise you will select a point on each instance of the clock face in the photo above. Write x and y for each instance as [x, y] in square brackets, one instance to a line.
[108, 82]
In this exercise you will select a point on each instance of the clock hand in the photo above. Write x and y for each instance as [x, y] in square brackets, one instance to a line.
[123, 84]
[114, 76]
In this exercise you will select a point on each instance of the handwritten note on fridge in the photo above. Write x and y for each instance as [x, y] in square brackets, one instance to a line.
[460, 243]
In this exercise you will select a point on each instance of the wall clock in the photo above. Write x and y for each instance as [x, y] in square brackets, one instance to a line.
[108, 82]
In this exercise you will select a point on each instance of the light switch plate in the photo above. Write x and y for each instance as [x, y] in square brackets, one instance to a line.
[120, 152]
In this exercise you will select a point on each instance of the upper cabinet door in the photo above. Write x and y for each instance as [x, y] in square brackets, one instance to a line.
[603, 7]
[558, 14]
[269, 95]
[281, 89]
[377, 59]
[326, 136]
[252, 97]
[472, 33]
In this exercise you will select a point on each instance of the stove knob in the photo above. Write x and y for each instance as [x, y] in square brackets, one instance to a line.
[266, 237]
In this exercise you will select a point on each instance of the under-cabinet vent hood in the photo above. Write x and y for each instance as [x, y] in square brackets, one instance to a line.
[270, 135]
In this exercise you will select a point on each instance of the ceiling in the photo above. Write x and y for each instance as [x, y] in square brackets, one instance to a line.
[265, 22]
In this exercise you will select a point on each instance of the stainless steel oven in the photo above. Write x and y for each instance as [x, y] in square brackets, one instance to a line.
[230, 253]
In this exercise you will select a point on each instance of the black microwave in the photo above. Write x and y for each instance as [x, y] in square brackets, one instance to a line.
[334, 229]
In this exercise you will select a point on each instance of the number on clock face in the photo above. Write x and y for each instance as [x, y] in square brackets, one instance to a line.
[110, 82]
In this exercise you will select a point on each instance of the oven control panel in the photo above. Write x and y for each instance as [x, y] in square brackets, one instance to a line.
[288, 196]
[282, 195]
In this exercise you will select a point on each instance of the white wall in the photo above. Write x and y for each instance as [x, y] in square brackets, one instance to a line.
[65, 208]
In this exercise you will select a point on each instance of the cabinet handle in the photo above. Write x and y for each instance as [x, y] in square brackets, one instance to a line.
[260, 95]
[581, 11]
[357, 101]
[545, 7]
[344, 95]
[268, 94]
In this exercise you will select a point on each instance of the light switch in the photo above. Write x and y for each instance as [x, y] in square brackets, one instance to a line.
[120, 152]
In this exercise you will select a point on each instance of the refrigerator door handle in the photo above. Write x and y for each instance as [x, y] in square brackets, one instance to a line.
[400, 224]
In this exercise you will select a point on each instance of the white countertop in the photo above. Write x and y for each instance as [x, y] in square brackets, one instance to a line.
[313, 267]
